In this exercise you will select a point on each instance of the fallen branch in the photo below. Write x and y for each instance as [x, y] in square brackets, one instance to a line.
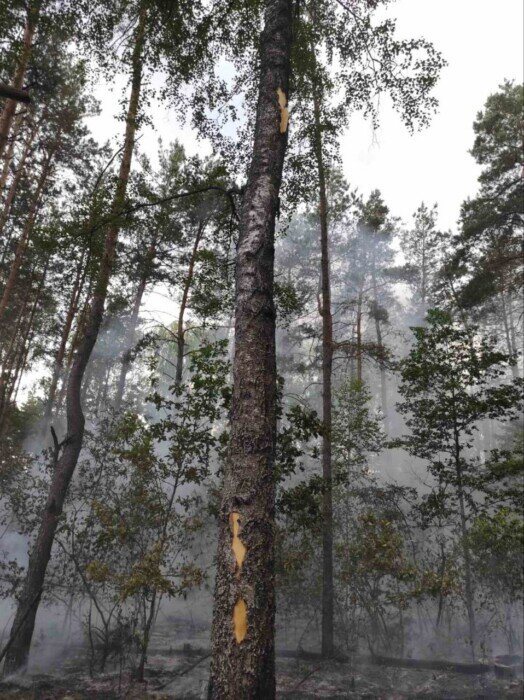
[436, 665]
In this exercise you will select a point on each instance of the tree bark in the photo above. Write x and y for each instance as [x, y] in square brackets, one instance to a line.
[328, 589]
[22, 338]
[380, 343]
[8, 112]
[359, 337]
[129, 336]
[243, 653]
[27, 230]
[66, 330]
[468, 579]
[8, 158]
[16, 180]
[66, 463]
[183, 305]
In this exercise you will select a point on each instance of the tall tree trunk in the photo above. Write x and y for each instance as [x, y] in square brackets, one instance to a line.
[512, 333]
[328, 589]
[27, 230]
[179, 370]
[507, 333]
[8, 158]
[6, 117]
[22, 337]
[13, 187]
[243, 652]
[380, 343]
[359, 337]
[8, 353]
[468, 578]
[24, 622]
[75, 343]
[58, 367]
[129, 336]
[183, 305]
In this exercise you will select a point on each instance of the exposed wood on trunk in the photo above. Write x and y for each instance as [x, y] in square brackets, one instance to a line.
[246, 669]
[8, 112]
[66, 463]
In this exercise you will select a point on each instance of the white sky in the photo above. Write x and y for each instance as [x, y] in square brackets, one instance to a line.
[482, 41]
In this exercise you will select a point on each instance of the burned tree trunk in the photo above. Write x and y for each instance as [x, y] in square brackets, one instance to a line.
[243, 664]
[24, 622]
[6, 118]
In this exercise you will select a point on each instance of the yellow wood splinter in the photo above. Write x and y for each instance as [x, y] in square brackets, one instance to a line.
[240, 620]
[284, 112]
[237, 545]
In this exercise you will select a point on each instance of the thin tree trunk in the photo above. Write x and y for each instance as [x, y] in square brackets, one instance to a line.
[8, 112]
[22, 351]
[509, 343]
[328, 589]
[359, 337]
[380, 343]
[154, 607]
[58, 367]
[129, 336]
[511, 321]
[9, 354]
[77, 336]
[13, 187]
[8, 158]
[243, 652]
[27, 230]
[468, 580]
[183, 305]
[66, 463]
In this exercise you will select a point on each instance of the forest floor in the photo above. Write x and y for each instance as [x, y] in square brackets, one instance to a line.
[182, 674]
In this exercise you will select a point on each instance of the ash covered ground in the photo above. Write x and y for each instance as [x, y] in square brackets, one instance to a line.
[181, 672]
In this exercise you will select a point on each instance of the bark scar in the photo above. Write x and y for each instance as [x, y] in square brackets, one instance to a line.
[239, 550]
[238, 547]
[240, 620]
[284, 112]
